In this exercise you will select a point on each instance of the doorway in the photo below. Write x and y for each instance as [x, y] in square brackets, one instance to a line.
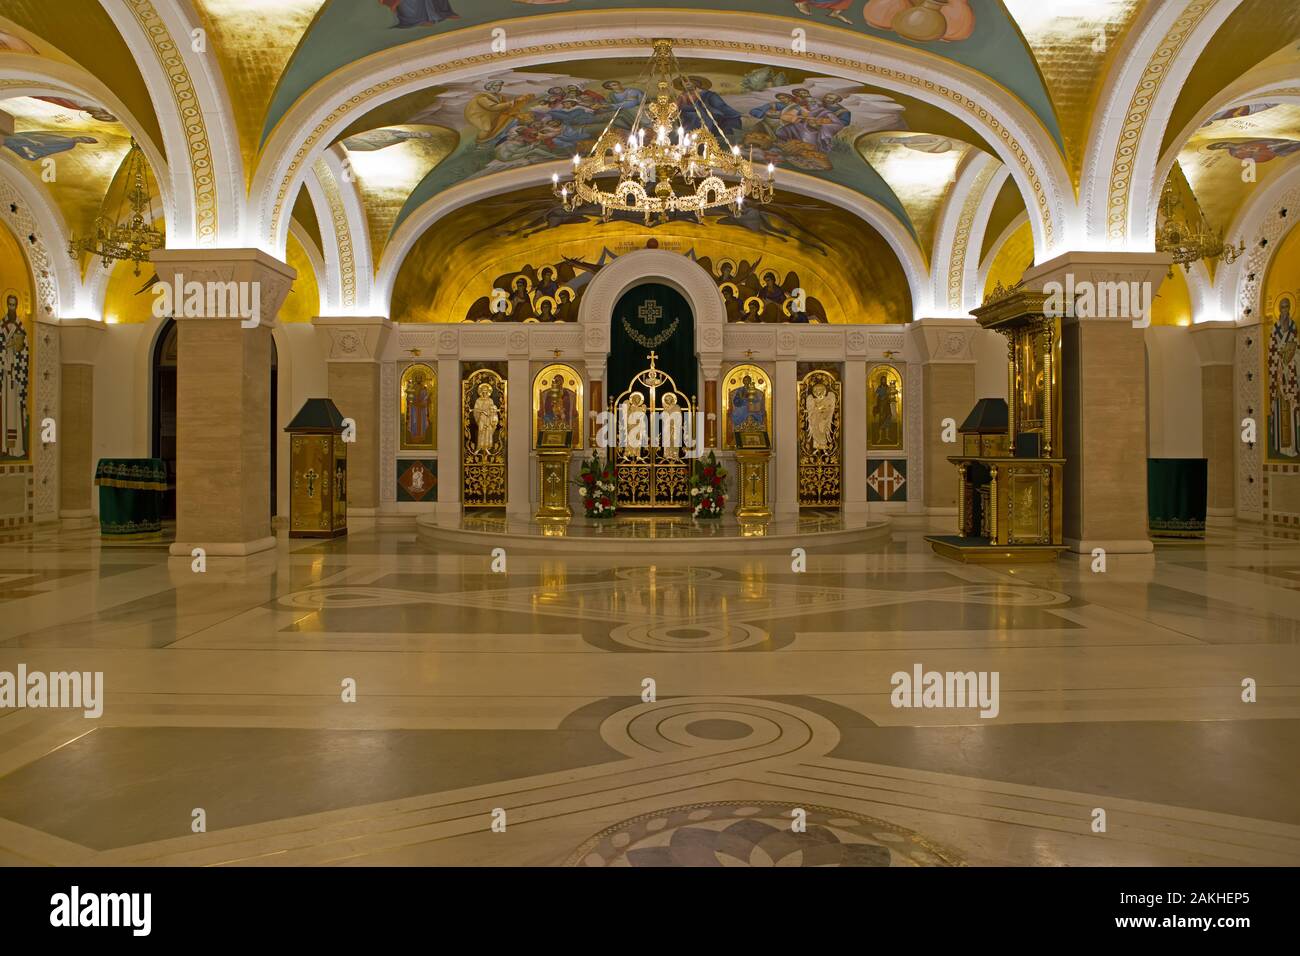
[163, 431]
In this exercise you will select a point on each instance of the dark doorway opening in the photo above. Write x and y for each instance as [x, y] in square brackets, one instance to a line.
[163, 443]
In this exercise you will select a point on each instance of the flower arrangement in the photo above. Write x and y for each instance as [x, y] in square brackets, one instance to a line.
[598, 486]
[708, 487]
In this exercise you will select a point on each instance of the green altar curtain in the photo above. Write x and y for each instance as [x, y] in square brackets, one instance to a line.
[130, 496]
[656, 318]
[1177, 491]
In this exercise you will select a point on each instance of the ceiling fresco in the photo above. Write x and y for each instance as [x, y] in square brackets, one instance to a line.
[74, 148]
[976, 33]
[828, 128]
[842, 263]
[1236, 152]
[387, 163]
[1258, 35]
[82, 33]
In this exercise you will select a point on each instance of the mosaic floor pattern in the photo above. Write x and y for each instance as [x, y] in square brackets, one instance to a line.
[649, 711]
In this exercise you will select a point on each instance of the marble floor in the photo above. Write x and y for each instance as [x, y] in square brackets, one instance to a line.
[499, 718]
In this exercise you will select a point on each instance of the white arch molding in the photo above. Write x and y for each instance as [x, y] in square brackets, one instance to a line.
[659, 266]
[1019, 137]
[470, 191]
[1134, 110]
[22, 74]
[58, 286]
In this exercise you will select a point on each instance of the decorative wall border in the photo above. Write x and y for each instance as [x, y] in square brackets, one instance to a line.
[190, 111]
[49, 386]
[1138, 114]
[23, 224]
[342, 232]
[974, 200]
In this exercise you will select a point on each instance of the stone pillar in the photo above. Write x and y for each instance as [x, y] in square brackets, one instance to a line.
[853, 392]
[449, 437]
[79, 342]
[519, 415]
[1103, 398]
[223, 499]
[947, 366]
[356, 348]
[1216, 344]
[785, 439]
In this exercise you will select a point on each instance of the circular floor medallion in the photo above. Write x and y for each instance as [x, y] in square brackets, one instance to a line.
[757, 833]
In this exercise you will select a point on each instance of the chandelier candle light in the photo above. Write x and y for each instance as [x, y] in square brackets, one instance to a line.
[661, 166]
[122, 234]
[1189, 242]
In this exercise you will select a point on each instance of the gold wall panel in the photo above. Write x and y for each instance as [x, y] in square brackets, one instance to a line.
[417, 420]
[737, 409]
[885, 413]
[820, 440]
[570, 406]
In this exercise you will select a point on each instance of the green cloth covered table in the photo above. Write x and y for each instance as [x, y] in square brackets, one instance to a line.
[1177, 491]
[130, 496]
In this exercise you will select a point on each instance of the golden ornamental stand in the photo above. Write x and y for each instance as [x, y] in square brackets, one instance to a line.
[752, 455]
[553, 451]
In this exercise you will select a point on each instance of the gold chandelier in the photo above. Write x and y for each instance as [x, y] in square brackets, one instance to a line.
[1186, 242]
[123, 233]
[662, 167]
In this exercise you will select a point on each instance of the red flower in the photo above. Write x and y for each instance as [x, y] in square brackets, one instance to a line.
[589, 478]
[716, 481]
[604, 502]
[708, 472]
[708, 504]
[606, 476]
[589, 503]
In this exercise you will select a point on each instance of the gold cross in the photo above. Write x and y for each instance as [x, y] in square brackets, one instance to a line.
[649, 313]
[652, 358]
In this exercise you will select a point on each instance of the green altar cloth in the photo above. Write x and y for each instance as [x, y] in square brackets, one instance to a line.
[1177, 492]
[130, 496]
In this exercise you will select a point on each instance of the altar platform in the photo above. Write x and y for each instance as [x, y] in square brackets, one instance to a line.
[636, 535]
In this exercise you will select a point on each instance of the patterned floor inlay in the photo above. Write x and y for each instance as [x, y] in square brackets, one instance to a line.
[758, 834]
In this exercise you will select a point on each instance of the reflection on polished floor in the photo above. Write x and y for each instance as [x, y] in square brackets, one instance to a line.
[522, 691]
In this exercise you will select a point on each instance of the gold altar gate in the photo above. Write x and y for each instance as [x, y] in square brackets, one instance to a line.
[653, 470]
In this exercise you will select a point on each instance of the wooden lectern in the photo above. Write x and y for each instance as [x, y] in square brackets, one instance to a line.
[1009, 500]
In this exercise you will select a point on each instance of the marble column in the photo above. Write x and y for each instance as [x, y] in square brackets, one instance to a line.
[1216, 344]
[947, 366]
[1104, 402]
[223, 497]
[449, 437]
[356, 348]
[519, 414]
[79, 344]
[784, 475]
[854, 400]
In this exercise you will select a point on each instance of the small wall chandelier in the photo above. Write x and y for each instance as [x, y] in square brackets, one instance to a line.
[124, 230]
[1189, 242]
[662, 167]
